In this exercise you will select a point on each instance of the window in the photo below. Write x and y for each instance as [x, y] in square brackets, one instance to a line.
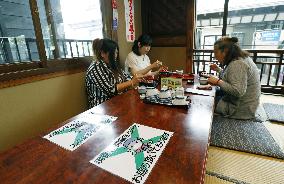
[34, 33]
[17, 36]
[69, 27]
[258, 25]
[246, 18]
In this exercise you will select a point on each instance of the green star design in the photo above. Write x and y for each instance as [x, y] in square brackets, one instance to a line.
[82, 130]
[139, 157]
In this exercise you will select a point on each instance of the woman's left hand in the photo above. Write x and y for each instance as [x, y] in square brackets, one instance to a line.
[157, 64]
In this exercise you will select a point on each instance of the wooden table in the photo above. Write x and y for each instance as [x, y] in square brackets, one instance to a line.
[183, 160]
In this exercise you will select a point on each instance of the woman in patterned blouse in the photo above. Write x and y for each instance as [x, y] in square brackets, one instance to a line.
[104, 78]
[239, 81]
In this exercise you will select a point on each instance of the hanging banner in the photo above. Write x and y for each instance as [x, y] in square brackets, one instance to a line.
[129, 20]
[114, 15]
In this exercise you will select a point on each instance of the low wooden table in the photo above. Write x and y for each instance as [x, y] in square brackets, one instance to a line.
[183, 160]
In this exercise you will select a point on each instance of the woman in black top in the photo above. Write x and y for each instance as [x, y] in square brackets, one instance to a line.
[104, 78]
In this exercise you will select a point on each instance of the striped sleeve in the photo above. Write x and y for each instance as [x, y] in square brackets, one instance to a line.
[100, 84]
[127, 76]
[104, 80]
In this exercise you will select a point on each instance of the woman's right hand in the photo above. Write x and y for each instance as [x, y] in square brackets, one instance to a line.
[136, 79]
[214, 67]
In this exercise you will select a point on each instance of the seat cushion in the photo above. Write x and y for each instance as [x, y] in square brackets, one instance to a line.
[244, 135]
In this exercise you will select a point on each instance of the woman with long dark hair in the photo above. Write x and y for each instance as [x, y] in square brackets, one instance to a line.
[104, 78]
[239, 80]
[137, 61]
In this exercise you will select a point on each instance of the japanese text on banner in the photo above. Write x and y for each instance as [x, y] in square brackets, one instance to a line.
[129, 20]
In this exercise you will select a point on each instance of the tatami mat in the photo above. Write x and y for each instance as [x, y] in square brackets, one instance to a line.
[245, 167]
[276, 99]
[277, 132]
[214, 180]
[275, 112]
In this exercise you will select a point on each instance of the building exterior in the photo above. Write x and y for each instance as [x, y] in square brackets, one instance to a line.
[257, 27]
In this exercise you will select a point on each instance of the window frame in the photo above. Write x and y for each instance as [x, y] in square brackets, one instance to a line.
[12, 74]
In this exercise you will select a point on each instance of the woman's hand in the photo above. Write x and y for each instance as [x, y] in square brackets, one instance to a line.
[156, 65]
[213, 80]
[214, 67]
[136, 79]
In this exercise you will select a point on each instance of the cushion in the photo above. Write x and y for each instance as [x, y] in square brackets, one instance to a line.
[275, 112]
[260, 114]
[244, 135]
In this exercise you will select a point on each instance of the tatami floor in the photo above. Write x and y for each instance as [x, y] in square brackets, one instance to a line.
[226, 166]
[239, 167]
[277, 99]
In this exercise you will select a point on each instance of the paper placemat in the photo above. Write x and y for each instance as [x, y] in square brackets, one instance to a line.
[200, 92]
[134, 153]
[77, 132]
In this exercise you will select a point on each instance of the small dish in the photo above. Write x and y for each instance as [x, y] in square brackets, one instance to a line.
[190, 81]
[180, 72]
[164, 94]
[179, 91]
[180, 100]
[151, 92]
[142, 89]
[142, 96]
[203, 80]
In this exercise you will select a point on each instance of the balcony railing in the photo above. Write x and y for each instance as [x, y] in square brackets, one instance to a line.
[19, 49]
[269, 62]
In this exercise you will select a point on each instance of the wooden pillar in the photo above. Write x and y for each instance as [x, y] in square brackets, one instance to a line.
[106, 9]
[38, 33]
[52, 32]
[225, 18]
[190, 30]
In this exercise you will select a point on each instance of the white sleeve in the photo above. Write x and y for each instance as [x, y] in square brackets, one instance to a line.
[147, 60]
[131, 62]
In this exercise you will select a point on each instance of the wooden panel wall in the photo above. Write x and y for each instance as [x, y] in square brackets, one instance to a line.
[171, 24]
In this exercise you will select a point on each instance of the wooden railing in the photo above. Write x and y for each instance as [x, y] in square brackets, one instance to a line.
[269, 62]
